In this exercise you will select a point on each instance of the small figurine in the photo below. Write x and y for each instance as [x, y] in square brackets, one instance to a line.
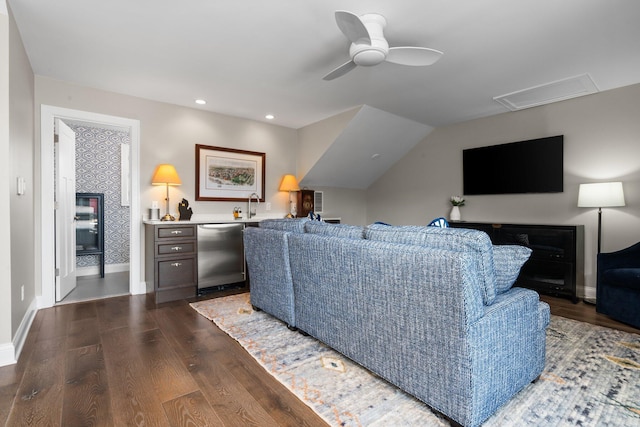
[185, 210]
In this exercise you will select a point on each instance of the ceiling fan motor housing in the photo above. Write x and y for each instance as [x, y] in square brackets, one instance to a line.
[366, 54]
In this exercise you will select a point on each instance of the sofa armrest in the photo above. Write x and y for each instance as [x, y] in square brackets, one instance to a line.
[267, 257]
[509, 344]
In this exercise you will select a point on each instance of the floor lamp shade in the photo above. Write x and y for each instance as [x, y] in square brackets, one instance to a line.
[600, 195]
[166, 175]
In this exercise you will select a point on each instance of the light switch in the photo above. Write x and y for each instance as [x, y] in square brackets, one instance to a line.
[20, 186]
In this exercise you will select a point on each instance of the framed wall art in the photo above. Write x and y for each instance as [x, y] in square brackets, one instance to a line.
[227, 174]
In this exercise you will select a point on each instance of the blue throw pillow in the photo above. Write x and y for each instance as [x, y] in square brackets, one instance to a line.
[507, 261]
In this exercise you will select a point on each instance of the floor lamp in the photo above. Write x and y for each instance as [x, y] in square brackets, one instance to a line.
[166, 175]
[290, 183]
[600, 195]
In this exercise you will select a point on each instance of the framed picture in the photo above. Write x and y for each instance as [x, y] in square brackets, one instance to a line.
[226, 174]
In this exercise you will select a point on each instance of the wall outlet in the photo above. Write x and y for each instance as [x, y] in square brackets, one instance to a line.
[22, 293]
[267, 206]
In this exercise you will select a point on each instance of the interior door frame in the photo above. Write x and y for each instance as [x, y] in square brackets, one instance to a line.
[47, 225]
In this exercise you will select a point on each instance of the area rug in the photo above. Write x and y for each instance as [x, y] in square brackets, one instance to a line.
[591, 377]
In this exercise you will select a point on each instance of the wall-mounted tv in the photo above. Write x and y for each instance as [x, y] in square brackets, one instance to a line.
[533, 166]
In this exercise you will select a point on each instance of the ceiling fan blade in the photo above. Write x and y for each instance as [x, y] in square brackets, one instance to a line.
[340, 71]
[352, 27]
[414, 56]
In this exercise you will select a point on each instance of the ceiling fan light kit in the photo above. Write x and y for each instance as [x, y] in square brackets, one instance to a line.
[369, 46]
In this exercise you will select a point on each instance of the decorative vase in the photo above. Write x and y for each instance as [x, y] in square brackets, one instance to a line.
[455, 214]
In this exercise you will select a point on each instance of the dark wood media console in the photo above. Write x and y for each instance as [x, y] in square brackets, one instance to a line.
[556, 266]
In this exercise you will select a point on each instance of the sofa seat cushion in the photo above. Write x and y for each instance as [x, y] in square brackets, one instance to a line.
[294, 225]
[508, 260]
[334, 230]
[623, 277]
[453, 239]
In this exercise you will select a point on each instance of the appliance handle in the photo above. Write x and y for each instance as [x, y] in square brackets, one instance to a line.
[217, 226]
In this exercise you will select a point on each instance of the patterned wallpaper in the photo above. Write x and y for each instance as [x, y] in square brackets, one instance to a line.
[98, 171]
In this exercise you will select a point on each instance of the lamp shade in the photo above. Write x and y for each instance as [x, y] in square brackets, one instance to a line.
[289, 183]
[601, 195]
[165, 174]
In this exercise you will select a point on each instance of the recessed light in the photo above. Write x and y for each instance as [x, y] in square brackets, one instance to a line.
[200, 101]
[269, 117]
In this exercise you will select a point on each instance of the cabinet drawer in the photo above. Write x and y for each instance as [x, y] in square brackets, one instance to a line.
[174, 232]
[175, 248]
[176, 272]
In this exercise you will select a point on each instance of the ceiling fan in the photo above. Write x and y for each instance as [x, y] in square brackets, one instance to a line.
[369, 47]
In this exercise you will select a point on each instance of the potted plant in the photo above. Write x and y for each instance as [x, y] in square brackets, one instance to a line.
[456, 202]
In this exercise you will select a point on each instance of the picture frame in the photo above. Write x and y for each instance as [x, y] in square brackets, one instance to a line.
[227, 174]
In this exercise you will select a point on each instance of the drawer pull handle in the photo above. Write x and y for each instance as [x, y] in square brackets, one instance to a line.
[176, 248]
[176, 232]
[176, 264]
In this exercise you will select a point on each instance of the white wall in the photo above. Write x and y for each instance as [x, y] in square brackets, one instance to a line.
[601, 143]
[313, 141]
[347, 204]
[22, 206]
[169, 134]
[316, 138]
[6, 348]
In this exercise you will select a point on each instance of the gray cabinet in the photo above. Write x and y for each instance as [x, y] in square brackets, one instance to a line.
[170, 259]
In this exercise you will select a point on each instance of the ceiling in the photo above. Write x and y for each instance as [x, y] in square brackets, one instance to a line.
[252, 57]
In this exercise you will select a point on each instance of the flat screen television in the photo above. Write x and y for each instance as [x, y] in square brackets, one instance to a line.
[532, 166]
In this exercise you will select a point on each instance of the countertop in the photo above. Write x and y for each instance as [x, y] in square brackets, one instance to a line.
[214, 219]
[218, 219]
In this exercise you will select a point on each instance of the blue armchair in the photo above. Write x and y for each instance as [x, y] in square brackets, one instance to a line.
[618, 287]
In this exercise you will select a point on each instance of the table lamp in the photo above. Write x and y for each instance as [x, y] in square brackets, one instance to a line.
[166, 175]
[290, 183]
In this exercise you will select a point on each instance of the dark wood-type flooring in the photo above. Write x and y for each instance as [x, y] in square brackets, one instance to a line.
[126, 361]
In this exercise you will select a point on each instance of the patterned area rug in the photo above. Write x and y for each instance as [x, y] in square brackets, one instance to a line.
[591, 378]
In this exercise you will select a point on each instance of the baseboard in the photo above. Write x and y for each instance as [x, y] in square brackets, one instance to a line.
[95, 269]
[23, 330]
[7, 354]
[142, 288]
[590, 293]
[10, 352]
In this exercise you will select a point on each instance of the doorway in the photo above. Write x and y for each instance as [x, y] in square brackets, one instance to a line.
[101, 214]
[48, 274]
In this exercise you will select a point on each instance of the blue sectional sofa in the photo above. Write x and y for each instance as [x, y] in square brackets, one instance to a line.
[430, 310]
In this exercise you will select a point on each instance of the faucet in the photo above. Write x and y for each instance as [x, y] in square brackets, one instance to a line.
[250, 212]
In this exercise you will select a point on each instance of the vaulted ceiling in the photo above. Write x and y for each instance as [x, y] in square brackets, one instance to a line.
[248, 58]
[252, 57]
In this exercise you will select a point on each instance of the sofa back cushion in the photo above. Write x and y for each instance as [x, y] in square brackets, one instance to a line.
[508, 260]
[334, 230]
[454, 239]
[294, 225]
